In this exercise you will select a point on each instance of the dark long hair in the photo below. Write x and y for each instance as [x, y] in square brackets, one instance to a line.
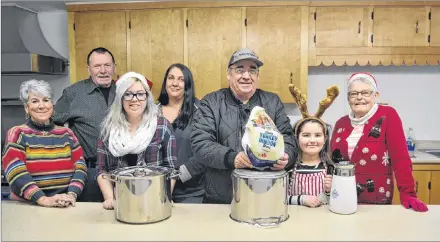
[187, 109]
[324, 154]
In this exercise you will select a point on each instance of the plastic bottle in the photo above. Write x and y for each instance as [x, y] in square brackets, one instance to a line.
[410, 142]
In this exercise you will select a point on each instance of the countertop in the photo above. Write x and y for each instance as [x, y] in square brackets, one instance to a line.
[203, 222]
[423, 157]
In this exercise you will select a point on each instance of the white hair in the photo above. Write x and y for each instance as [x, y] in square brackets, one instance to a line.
[117, 117]
[36, 87]
[363, 80]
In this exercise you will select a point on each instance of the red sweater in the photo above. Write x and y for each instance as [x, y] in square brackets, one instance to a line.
[378, 158]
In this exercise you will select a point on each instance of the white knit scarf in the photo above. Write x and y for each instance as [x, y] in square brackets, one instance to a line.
[362, 120]
[121, 142]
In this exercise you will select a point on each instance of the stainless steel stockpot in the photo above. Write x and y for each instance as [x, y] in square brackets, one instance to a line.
[142, 193]
[259, 197]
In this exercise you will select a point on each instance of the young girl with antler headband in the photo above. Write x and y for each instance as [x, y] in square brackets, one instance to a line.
[310, 182]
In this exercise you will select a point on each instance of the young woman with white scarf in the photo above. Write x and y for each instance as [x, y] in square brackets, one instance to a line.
[134, 133]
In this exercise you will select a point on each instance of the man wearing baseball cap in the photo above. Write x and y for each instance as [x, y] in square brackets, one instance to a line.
[220, 123]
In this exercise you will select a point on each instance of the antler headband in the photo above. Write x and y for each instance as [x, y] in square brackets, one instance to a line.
[301, 101]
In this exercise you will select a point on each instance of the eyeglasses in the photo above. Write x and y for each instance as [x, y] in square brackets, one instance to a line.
[141, 96]
[241, 71]
[364, 93]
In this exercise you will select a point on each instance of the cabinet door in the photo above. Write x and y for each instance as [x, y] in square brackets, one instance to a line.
[434, 197]
[275, 35]
[342, 26]
[213, 35]
[422, 179]
[156, 43]
[100, 29]
[435, 27]
[400, 27]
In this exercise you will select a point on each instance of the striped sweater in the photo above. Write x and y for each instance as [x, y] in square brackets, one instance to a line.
[43, 161]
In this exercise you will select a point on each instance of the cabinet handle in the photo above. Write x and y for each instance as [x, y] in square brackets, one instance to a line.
[417, 187]
[417, 27]
[291, 78]
[359, 27]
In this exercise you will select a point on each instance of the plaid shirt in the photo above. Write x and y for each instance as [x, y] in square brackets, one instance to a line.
[161, 151]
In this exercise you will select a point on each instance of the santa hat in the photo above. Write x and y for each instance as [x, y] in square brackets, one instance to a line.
[364, 75]
[149, 83]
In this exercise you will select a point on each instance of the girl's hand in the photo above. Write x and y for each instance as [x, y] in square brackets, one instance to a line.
[311, 201]
[328, 182]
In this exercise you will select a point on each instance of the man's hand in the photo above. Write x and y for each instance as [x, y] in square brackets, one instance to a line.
[281, 163]
[242, 161]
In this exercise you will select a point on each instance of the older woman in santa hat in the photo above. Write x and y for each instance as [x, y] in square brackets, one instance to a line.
[372, 137]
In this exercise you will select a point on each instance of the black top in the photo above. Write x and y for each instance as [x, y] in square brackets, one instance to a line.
[185, 156]
[106, 92]
[131, 159]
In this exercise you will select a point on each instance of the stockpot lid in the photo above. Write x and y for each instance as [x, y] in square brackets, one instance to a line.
[248, 173]
[141, 171]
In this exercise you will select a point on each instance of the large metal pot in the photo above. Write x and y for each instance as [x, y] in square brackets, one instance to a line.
[142, 193]
[259, 197]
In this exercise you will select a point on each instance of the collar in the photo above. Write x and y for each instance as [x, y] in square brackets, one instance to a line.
[91, 86]
[360, 121]
[232, 99]
[39, 127]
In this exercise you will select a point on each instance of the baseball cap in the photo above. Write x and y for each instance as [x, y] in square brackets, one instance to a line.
[244, 54]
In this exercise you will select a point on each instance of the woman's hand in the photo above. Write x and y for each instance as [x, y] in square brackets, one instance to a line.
[311, 201]
[109, 204]
[414, 203]
[58, 200]
[281, 163]
[328, 182]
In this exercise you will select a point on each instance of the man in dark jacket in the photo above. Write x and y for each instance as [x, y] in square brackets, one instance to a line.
[220, 123]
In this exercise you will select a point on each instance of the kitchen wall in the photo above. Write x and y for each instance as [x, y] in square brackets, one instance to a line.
[412, 90]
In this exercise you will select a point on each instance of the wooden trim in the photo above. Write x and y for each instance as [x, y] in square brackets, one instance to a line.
[72, 47]
[243, 28]
[147, 5]
[372, 3]
[378, 51]
[426, 167]
[304, 61]
[81, 7]
[185, 37]
[375, 60]
[128, 39]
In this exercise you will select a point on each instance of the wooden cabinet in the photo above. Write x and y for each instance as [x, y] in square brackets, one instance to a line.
[341, 26]
[435, 188]
[274, 34]
[427, 184]
[400, 27]
[156, 42]
[100, 29]
[435, 27]
[213, 35]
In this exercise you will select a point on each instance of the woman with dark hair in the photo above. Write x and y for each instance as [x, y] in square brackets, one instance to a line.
[178, 103]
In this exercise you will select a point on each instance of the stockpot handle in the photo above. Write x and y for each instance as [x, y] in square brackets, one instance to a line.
[110, 177]
[173, 174]
[270, 222]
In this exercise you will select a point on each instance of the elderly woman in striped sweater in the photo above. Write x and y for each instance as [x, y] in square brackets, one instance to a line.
[43, 162]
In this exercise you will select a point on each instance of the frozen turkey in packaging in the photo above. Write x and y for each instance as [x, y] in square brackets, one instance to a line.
[262, 141]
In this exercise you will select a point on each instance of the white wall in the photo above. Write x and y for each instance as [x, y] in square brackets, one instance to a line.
[413, 91]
